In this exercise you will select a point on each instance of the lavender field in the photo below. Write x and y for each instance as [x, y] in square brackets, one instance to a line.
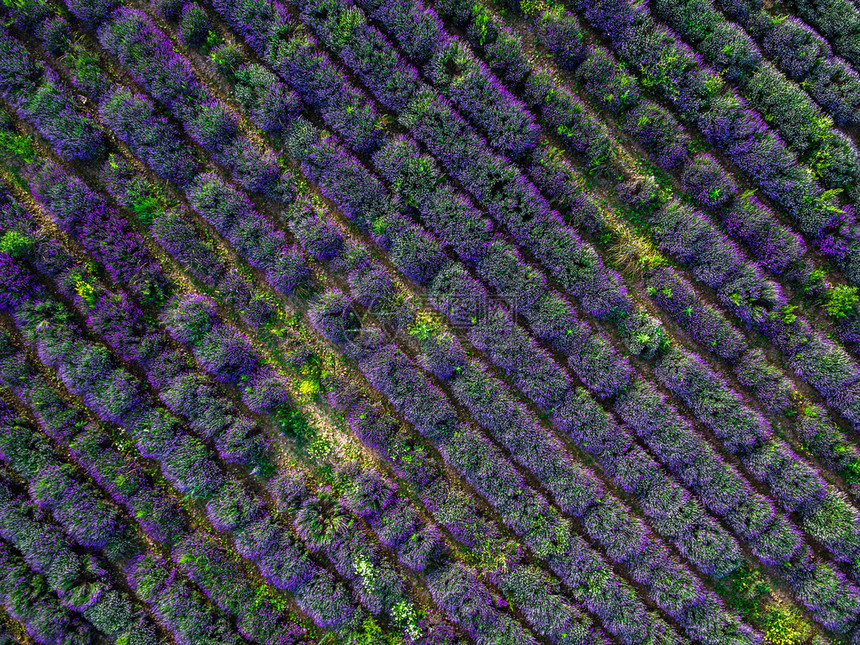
[437, 322]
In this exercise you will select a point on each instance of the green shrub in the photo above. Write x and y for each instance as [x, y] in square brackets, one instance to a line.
[15, 244]
[841, 301]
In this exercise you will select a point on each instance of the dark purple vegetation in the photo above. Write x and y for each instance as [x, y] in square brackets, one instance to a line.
[429, 322]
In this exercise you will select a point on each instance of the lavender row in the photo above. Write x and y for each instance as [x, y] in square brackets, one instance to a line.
[801, 54]
[87, 444]
[62, 195]
[128, 108]
[44, 619]
[191, 321]
[625, 466]
[367, 281]
[326, 527]
[563, 38]
[132, 118]
[158, 517]
[177, 236]
[831, 168]
[409, 387]
[504, 119]
[89, 520]
[424, 16]
[209, 124]
[731, 51]
[327, 316]
[107, 609]
[80, 581]
[692, 239]
[600, 288]
[190, 245]
[466, 522]
[208, 121]
[326, 520]
[779, 250]
[459, 295]
[119, 321]
[175, 225]
[743, 289]
[649, 123]
[187, 621]
[317, 523]
[726, 124]
[426, 20]
[396, 18]
[493, 475]
[370, 496]
[304, 142]
[215, 570]
[253, 620]
[775, 246]
[811, 429]
[226, 207]
[116, 321]
[320, 525]
[34, 90]
[188, 463]
[517, 353]
[707, 325]
[107, 387]
[532, 449]
[674, 294]
[323, 249]
[838, 21]
[825, 514]
[124, 258]
[175, 603]
[241, 369]
[805, 56]
[715, 260]
[191, 468]
[259, 620]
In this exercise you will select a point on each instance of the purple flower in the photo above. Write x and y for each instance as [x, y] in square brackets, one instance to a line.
[707, 181]
[190, 318]
[150, 136]
[15, 283]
